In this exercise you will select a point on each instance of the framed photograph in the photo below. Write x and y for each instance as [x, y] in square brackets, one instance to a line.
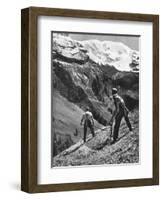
[90, 100]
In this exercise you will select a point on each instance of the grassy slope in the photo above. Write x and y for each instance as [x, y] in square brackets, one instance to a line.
[67, 117]
[98, 150]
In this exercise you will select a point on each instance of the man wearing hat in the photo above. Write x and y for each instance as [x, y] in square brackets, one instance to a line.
[120, 112]
[88, 121]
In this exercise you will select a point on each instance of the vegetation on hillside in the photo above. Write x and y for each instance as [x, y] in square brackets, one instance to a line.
[99, 150]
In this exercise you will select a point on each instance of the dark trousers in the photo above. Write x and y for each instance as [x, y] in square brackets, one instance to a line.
[89, 125]
[118, 119]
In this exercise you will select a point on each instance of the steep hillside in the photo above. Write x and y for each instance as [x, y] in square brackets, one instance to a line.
[99, 150]
[66, 123]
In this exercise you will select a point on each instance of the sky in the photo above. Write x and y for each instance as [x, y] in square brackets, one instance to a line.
[129, 40]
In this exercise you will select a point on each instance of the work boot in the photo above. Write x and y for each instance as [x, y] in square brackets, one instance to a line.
[131, 132]
[114, 141]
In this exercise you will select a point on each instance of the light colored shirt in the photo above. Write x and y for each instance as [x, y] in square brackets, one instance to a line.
[87, 116]
[118, 101]
[119, 104]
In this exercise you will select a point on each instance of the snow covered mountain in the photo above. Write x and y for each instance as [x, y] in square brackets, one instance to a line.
[110, 53]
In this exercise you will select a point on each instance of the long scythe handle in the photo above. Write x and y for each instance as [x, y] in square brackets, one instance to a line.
[111, 130]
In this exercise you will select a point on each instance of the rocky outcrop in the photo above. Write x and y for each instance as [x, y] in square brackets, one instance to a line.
[135, 61]
[100, 52]
[69, 51]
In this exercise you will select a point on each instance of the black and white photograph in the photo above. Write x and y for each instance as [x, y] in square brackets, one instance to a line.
[94, 99]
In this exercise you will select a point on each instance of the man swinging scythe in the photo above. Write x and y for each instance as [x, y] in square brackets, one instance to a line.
[120, 112]
[87, 120]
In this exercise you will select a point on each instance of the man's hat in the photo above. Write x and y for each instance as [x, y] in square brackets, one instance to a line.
[114, 90]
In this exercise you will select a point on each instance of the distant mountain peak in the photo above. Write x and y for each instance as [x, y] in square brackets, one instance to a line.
[112, 53]
[109, 53]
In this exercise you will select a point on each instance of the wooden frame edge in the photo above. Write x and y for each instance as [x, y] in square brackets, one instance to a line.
[156, 99]
[24, 99]
[28, 100]
[92, 185]
[92, 14]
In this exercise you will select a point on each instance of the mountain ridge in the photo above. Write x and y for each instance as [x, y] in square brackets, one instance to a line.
[112, 53]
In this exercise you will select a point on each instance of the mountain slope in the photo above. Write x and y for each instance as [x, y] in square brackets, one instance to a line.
[66, 126]
[99, 150]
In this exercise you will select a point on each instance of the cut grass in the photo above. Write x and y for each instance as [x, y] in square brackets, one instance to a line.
[66, 121]
[99, 150]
